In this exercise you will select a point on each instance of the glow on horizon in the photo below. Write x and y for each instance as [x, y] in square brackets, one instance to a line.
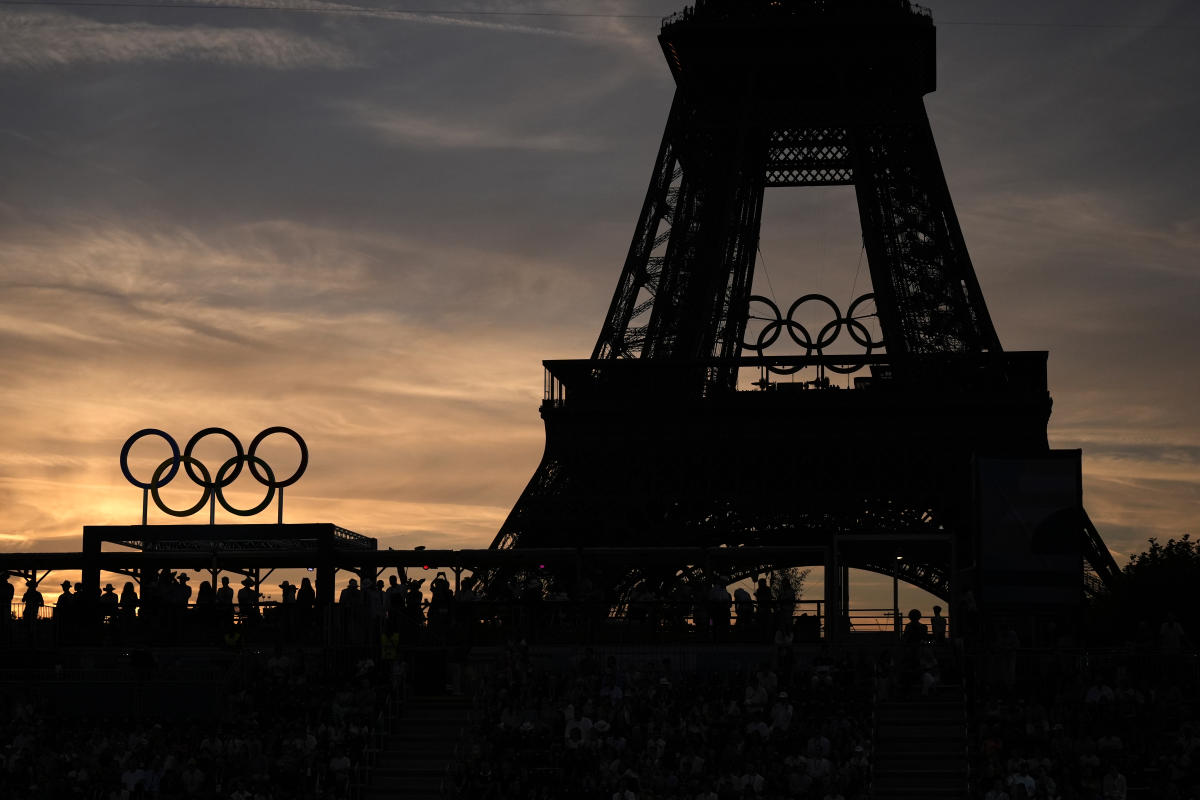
[375, 237]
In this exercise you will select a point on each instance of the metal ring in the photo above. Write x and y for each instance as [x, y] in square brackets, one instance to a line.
[299, 469]
[129, 444]
[270, 483]
[155, 486]
[866, 341]
[772, 325]
[237, 446]
[821, 343]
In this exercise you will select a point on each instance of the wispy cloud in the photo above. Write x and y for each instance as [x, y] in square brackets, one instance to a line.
[112, 329]
[594, 26]
[43, 40]
[427, 132]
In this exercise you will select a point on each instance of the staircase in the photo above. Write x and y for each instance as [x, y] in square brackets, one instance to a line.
[921, 747]
[412, 759]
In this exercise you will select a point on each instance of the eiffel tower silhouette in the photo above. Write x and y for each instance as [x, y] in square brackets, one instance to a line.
[682, 430]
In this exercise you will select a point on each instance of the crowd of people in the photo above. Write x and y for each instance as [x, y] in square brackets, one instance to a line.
[164, 608]
[264, 744]
[1060, 724]
[645, 730]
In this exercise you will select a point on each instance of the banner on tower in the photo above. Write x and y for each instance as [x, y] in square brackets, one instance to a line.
[1029, 518]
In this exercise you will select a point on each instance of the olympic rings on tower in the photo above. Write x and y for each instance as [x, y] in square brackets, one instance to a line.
[779, 322]
[227, 474]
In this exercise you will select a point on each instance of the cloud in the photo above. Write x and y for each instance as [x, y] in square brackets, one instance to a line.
[44, 40]
[426, 132]
[593, 26]
[420, 411]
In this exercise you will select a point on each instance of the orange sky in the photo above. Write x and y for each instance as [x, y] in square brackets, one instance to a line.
[374, 234]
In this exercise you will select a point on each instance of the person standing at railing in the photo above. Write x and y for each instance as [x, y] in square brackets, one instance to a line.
[32, 600]
[915, 632]
[108, 603]
[224, 601]
[765, 603]
[306, 596]
[183, 593]
[938, 624]
[393, 602]
[62, 608]
[129, 601]
[248, 601]
[745, 608]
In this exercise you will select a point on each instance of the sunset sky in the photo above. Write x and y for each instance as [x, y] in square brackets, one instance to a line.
[373, 228]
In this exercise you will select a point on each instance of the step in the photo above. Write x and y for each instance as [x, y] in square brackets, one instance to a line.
[955, 741]
[921, 779]
[418, 752]
[426, 769]
[407, 786]
[920, 730]
[878, 792]
[886, 762]
[931, 715]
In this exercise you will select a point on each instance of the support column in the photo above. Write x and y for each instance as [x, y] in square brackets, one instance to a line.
[844, 580]
[91, 563]
[833, 593]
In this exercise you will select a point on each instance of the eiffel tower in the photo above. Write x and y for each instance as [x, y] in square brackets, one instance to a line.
[681, 430]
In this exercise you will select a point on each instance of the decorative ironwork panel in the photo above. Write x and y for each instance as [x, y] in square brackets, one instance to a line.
[809, 157]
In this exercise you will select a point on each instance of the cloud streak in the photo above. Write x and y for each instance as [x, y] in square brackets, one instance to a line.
[400, 127]
[46, 40]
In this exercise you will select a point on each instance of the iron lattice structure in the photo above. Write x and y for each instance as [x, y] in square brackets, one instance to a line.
[753, 110]
[651, 441]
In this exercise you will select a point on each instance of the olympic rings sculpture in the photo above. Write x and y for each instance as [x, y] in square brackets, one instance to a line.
[227, 474]
[799, 334]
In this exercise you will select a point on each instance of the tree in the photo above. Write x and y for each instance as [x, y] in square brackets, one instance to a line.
[1163, 579]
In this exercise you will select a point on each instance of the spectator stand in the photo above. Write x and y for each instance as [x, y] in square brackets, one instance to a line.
[293, 723]
[1057, 722]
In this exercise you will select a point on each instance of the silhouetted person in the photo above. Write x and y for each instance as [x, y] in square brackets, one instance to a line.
[109, 601]
[350, 596]
[441, 599]
[938, 624]
[32, 600]
[206, 595]
[206, 604]
[305, 595]
[224, 605]
[182, 592]
[65, 612]
[765, 602]
[247, 599]
[129, 600]
[915, 631]
[393, 602]
[289, 592]
[745, 607]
